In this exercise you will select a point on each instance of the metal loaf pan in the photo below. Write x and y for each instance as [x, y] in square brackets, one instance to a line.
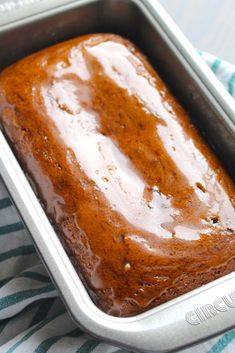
[201, 313]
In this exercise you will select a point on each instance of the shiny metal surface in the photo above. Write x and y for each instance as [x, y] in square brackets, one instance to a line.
[175, 324]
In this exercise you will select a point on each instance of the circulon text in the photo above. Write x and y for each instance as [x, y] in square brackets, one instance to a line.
[207, 311]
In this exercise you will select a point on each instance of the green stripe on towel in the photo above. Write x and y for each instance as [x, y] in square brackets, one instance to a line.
[21, 250]
[88, 346]
[4, 203]
[231, 84]
[17, 297]
[3, 325]
[223, 342]
[10, 228]
[48, 343]
[27, 274]
[31, 332]
[215, 65]
[43, 310]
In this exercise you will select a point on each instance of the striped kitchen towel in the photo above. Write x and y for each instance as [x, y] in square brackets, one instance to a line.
[32, 316]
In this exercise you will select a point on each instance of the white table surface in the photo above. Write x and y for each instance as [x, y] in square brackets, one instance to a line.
[208, 24]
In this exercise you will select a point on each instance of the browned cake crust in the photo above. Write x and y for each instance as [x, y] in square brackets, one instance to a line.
[143, 206]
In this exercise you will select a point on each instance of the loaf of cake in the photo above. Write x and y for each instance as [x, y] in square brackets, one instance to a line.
[142, 205]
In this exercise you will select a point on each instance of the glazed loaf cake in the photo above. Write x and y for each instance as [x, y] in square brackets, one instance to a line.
[143, 207]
